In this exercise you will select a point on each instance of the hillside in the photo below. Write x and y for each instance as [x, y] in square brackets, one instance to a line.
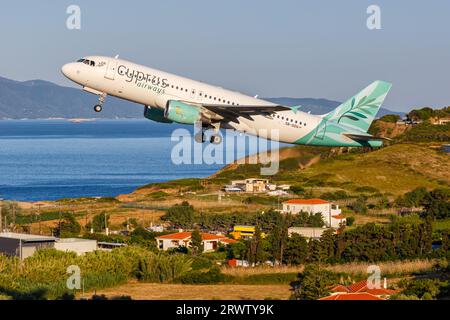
[394, 169]
[41, 99]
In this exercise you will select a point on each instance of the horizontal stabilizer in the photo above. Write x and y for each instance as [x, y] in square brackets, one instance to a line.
[363, 137]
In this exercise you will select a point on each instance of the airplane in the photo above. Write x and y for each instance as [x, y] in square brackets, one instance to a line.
[169, 98]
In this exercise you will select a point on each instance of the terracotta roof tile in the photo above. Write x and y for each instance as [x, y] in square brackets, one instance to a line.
[306, 201]
[187, 235]
[352, 296]
[339, 288]
[358, 286]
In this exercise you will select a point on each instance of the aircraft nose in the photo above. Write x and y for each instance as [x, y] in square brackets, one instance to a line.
[68, 70]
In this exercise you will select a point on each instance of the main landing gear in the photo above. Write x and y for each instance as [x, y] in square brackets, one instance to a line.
[101, 99]
[216, 139]
[200, 136]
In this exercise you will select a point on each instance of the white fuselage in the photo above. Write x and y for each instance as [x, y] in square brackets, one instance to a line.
[151, 87]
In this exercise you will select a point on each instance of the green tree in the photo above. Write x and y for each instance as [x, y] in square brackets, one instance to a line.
[360, 205]
[181, 215]
[296, 189]
[68, 226]
[279, 237]
[436, 204]
[423, 288]
[255, 250]
[237, 250]
[314, 283]
[296, 251]
[196, 242]
[10, 210]
[350, 221]
[390, 118]
[99, 222]
[316, 220]
[144, 238]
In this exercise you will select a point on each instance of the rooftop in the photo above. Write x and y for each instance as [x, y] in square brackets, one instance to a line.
[26, 237]
[352, 296]
[187, 235]
[71, 240]
[362, 287]
[306, 201]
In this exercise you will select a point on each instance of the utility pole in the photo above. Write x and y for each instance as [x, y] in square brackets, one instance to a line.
[1, 224]
[106, 225]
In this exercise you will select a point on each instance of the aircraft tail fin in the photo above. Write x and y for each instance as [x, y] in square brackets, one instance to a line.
[360, 110]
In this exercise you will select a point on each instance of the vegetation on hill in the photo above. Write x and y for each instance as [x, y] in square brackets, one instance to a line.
[426, 113]
[426, 132]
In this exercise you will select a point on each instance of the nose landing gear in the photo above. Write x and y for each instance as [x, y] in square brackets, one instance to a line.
[101, 99]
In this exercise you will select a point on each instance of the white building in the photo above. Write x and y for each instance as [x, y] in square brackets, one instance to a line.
[183, 239]
[331, 214]
[23, 245]
[251, 185]
[307, 232]
[79, 246]
[277, 193]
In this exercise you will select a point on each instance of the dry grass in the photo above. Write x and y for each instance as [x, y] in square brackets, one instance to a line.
[387, 268]
[354, 268]
[244, 272]
[152, 291]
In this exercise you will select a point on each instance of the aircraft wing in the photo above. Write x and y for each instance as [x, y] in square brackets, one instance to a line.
[232, 112]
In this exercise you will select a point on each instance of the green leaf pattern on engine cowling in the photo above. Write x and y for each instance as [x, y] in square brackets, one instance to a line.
[180, 112]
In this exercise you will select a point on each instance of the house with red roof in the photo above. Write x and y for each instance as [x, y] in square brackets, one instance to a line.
[352, 296]
[331, 214]
[183, 239]
[360, 291]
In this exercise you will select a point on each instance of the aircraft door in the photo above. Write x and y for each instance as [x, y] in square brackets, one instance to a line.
[111, 69]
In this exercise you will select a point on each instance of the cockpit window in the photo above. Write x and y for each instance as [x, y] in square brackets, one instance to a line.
[88, 62]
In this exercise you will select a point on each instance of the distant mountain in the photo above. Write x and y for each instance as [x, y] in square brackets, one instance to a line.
[37, 99]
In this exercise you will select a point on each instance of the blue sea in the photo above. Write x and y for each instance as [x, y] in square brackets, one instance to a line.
[53, 159]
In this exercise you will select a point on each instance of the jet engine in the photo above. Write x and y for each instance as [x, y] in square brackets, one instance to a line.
[155, 114]
[180, 112]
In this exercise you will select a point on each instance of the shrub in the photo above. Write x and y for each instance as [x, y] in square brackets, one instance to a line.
[214, 275]
[199, 263]
[393, 118]
[350, 221]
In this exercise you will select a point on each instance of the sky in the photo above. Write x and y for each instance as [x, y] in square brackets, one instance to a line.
[301, 49]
